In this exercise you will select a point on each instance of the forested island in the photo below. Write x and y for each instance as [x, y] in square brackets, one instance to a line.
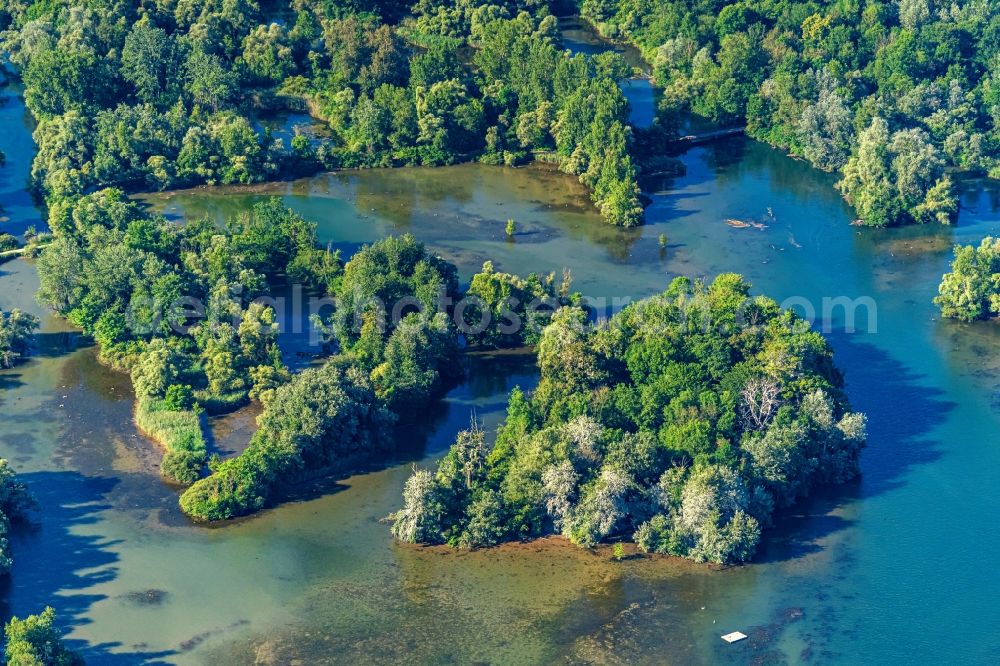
[893, 95]
[971, 290]
[123, 276]
[682, 423]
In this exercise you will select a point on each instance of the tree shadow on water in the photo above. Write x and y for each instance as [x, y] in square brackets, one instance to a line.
[799, 529]
[902, 411]
[9, 380]
[56, 559]
[53, 344]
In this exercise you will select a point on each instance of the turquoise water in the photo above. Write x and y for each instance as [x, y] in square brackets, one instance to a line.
[871, 566]
[894, 568]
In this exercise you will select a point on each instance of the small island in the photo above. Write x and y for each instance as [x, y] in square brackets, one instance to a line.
[971, 290]
[683, 423]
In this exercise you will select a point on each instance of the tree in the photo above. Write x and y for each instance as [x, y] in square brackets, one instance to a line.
[35, 641]
[505, 310]
[972, 289]
[323, 417]
[207, 80]
[151, 62]
[15, 504]
[419, 521]
[16, 330]
[267, 54]
[418, 353]
[389, 279]
[258, 333]
[867, 182]
[157, 370]
[825, 127]
[564, 356]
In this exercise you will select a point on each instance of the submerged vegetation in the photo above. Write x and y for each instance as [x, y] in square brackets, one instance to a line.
[891, 94]
[683, 423]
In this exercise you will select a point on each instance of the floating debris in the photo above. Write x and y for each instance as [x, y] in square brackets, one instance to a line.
[858, 223]
[734, 637]
[740, 224]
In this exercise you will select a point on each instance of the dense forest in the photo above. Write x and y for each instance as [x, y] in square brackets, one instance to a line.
[168, 94]
[893, 95]
[160, 95]
[681, 423]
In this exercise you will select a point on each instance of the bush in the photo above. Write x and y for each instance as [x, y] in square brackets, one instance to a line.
[8, 242]
[183, 466]
[16, 330]
[179, 398]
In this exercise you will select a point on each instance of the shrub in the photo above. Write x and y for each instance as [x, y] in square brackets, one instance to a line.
[179, 398]
[183, 466]
[8, 242]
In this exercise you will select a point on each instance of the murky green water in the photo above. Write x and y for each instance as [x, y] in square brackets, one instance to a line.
[895, 568]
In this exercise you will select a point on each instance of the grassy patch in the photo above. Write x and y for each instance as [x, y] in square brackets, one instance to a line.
[180, 433]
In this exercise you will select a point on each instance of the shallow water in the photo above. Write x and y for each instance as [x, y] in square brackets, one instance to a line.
[840, 573]
[579, 37]
[894, 568]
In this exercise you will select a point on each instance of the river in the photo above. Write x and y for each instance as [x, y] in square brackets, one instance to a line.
[894, 568]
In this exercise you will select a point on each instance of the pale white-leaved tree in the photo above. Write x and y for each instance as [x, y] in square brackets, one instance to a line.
[761, 399]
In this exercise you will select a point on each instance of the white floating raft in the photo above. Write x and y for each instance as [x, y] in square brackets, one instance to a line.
[734, 637]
